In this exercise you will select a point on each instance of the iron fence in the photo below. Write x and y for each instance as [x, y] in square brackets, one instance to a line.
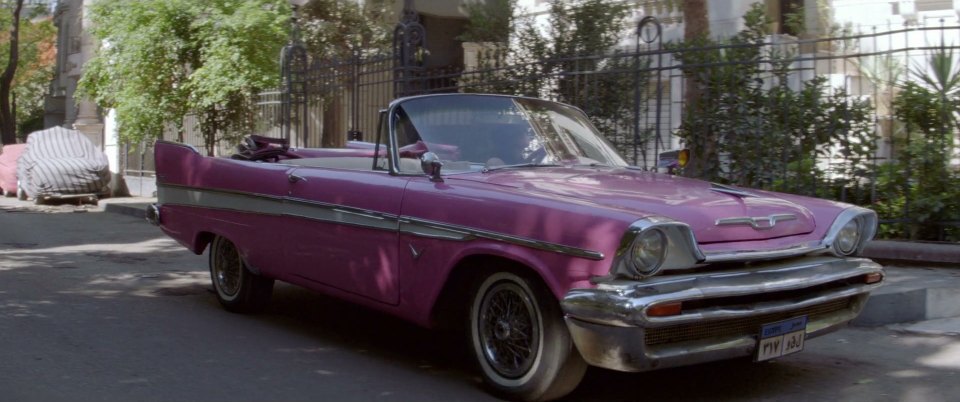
[814, 116]
[767, 128]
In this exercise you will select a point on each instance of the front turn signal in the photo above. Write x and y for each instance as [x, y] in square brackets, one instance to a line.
[665, 309]
[872, 278]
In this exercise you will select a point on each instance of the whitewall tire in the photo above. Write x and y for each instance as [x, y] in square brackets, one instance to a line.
[238, 290]
[520, 341]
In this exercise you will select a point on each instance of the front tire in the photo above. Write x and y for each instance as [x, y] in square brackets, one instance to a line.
[238, 290]
[520, 341]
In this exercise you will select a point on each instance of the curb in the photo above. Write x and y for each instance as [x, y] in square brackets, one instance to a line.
[137, 210]
[913, 251]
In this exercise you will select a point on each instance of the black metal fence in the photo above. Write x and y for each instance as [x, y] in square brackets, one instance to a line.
[814, 117]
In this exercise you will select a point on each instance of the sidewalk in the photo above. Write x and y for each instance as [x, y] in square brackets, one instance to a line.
[921, 293]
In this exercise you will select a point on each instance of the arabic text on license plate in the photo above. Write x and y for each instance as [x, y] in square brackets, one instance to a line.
[781, 338]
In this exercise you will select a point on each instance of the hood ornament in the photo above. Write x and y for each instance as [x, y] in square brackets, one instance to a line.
[757, 222]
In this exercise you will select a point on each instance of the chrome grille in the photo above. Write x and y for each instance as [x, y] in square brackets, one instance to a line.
[738, 326]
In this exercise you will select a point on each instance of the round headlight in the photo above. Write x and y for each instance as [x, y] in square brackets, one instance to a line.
[648, 251]
[849, 237]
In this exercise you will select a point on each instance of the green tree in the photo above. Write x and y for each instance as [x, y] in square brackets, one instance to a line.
[920, 184]
[28, 50]
[489, 20]
[340, 33]
[768, 134]
[572, 60]
[338, 28]
[35, 65]
[696, 33]
[164, 59]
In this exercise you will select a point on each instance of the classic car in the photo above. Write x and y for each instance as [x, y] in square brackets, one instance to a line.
[513, 219]
[8, 168]
[60, 163]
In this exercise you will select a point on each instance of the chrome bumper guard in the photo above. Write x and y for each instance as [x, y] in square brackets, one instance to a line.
[153, 214]
[722, 311]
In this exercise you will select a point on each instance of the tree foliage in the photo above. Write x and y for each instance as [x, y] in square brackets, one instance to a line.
[573, 59]
[339, 28]
[749, 127]
[28, 47]
[34, 69]
[920, 184]
[489, 20]
[164, 59]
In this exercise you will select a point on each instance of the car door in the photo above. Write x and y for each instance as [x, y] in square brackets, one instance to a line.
[344, 228]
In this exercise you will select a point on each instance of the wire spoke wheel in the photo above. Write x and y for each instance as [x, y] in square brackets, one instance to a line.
[519, 339]
[508, 330]
[237, 288]
[227, 268]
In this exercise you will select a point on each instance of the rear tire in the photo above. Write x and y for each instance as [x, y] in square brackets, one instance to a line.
[238, 290]
[520, 340]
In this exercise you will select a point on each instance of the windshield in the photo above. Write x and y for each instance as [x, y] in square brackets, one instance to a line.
[476, 132]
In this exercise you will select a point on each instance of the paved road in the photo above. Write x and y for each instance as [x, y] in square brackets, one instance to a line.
[100, 306]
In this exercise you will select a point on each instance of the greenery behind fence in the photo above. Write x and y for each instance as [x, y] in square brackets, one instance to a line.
[768, 111]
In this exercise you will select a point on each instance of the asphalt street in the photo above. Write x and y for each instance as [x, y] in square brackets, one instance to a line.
[102, 306]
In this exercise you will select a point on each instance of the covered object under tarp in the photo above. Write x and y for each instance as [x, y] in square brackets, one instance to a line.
[60, 161]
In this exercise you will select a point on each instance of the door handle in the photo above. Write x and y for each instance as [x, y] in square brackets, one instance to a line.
[295, 178]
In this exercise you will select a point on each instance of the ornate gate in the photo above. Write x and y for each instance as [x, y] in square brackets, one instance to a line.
[327, 101]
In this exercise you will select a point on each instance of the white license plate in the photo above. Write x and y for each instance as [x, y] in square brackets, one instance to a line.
[781, 338]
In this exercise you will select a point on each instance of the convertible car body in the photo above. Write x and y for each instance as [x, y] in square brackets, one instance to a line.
[514, 219]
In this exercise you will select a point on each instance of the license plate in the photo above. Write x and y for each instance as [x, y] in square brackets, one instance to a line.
[781, 338]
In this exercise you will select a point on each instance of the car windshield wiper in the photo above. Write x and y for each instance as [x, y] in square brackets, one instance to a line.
[519, 165]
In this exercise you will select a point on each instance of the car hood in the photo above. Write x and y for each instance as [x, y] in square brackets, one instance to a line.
[715, 213]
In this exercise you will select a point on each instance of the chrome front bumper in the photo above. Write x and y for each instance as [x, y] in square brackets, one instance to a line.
[722, 311]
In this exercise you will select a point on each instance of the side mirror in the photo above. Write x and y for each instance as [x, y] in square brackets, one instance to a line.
[431, 164]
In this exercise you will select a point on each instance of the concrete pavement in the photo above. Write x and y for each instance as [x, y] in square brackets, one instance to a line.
[921, 294]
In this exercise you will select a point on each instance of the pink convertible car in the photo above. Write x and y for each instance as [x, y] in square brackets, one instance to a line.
[513, 219]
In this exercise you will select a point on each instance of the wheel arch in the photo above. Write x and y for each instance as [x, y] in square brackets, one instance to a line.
[453, 299]
[202, 240]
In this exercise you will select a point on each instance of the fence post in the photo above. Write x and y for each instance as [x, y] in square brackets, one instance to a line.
[644, 28]
[409, 37]
[293, 65]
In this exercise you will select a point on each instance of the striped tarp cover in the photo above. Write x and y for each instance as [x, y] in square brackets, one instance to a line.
[61, 161]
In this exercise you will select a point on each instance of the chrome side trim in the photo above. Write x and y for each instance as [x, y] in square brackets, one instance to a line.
[274, 206]
[432, 230]
[263, 204]
[426, 228]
